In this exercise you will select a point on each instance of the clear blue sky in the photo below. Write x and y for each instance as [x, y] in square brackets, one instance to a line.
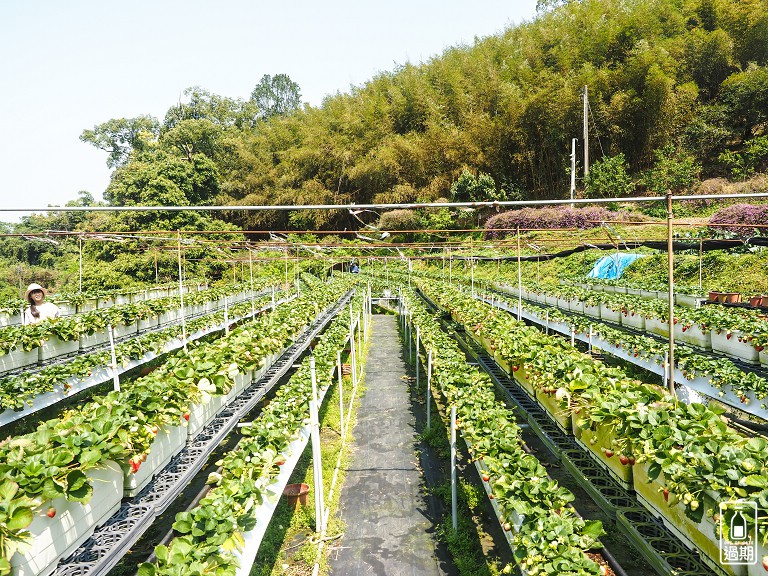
[67, 65]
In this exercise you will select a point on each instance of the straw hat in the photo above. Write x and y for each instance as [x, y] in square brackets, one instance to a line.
[31, 288]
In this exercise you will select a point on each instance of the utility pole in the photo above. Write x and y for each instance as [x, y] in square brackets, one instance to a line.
[573, 170]
[586, 132]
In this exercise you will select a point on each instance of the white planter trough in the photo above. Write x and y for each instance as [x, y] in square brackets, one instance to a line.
[122, 299]
[634, 291]
[648, 294]
[88, 305]
[610, 315]
[96, 339]
[149, 323]
[167, 444]
[123, 330]
[563, 304]
[242, 381]
[5, 319]
[636, 321]
[157, 293]
[576, 306]
[55, 346]
[66, 308]
[18, 358]
[551, 300]
[694, 336]
[593, 311]
[168, 317]
[656, 326]
[763, 358]
[200, 415]
[748, 403]
[734, 347]
[689, 301]
[56, 538]
[106, 302]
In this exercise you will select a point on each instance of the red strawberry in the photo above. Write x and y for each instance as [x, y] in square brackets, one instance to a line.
[515, 368]
[507, 526]
[608, 453]
[624, 460]
[280, 462]
[486, 477]
[631, 461]
[728, 336]
[765, 563]
[51, 512]
[491, 496]
[759, 348]
[135, 463]
[186, 416]
[666, 494]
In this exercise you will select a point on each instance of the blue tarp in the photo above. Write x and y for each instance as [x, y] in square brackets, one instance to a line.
[611, 267]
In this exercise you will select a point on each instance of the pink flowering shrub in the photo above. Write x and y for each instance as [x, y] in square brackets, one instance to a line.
[554, 217]
[747, 214]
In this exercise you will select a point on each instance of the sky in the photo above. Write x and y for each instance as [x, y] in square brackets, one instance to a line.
[70, 65]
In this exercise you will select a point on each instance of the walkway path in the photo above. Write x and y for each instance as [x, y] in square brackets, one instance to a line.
[383, 502]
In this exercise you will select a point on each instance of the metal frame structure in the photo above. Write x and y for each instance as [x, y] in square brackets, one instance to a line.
[109, 543]
[660, 548]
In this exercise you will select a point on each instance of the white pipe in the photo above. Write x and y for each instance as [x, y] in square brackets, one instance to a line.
[413, 205]
[341, 394]
[317, 464]
[115, 376]
[429, 389]
[454, 503]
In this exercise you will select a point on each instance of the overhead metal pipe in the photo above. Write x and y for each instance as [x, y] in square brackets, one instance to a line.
[283, 207]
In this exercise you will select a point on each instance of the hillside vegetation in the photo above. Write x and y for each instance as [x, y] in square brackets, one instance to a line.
[678, 93]
[680, 81]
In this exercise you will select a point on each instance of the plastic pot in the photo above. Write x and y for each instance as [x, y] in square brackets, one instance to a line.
[296, 494]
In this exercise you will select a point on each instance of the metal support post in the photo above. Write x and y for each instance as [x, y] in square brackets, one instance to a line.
[590, 339]
[671, 269]
[250, 265]
[410, 337]
[429, 389]
[115, 376]
[359, 346]
[317, 464]
[573, 336]
[352, 351]
[226, 314]
[454, 502]
[341, 394]
[80, 250]
[181, 296]
[519, 280]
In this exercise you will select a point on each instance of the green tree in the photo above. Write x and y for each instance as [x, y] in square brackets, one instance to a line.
[121, 136]
[276, 96]
[467, 188]
[609, 178]
[745, 94]
[673, 170]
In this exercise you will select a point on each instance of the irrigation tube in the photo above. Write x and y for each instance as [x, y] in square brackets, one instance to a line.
[413, 205]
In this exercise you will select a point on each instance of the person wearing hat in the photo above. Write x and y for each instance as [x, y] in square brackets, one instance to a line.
[38, 310]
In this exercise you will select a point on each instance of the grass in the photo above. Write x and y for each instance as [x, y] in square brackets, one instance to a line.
[290, 544]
